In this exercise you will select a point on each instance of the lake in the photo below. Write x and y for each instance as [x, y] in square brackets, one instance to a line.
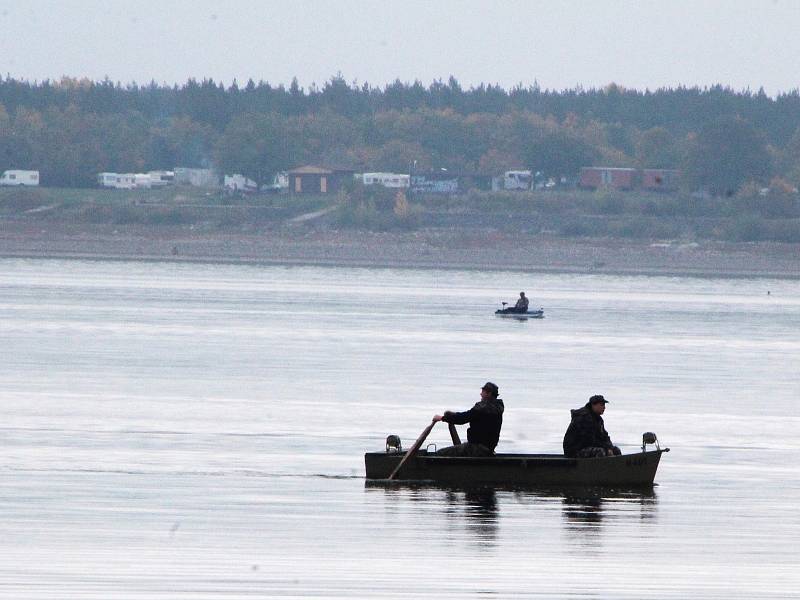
[198, 430]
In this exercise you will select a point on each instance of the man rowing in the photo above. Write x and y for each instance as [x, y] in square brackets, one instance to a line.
[485, 419]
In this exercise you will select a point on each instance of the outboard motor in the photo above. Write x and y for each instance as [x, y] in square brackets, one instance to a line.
[393, 444]
[649, 438]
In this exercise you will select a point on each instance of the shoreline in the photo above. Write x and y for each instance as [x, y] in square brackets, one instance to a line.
[424, 249]
[363, 264]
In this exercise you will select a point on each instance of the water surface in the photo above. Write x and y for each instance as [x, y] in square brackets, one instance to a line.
[174, 430]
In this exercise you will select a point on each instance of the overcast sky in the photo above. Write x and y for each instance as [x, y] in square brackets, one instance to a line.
[643, 44]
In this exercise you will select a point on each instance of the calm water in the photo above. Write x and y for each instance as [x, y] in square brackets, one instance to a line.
[191, 431]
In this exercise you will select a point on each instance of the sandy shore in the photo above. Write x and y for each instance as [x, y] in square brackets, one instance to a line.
[421, 249]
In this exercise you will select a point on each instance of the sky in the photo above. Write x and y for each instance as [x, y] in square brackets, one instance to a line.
[557, 44]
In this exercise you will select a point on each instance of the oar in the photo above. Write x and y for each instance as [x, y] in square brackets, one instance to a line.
[413, 450]
[454, 434]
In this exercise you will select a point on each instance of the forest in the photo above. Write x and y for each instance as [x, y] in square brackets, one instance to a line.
[721, 139]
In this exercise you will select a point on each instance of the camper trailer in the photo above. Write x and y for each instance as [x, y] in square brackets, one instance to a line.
[142, 181]
[19, 177]
[279, 183]
[160, 179]
[517, 180]
[237, 183]
[388, 180]
[118, 181]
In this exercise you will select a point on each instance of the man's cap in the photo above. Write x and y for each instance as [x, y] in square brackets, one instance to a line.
[491, 387]
[597, 399]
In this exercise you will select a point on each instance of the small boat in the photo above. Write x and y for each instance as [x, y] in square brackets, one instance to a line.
[520, 470]
[531, 314]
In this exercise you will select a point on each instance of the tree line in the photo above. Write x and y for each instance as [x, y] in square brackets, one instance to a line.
[721, 139]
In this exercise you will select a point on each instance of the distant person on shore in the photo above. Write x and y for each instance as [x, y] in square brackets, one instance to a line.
[586, 436]
[485, 419]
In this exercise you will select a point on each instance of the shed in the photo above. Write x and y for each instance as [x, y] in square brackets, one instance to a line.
[311, 179]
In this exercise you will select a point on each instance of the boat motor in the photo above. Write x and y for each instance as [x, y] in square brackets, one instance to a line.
[393, 444]
[649, 438]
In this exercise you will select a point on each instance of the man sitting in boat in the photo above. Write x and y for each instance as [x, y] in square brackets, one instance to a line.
[522, 304]
[586, 436]
[485, 419]
[520, 307]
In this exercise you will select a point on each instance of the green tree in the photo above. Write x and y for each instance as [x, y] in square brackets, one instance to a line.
[725, 153]
[257, 146]
[6, 141]
[559, 154]
[188, 144]
[789, 159]
[400, 157]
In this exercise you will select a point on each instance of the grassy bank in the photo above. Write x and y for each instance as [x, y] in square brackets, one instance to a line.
[571, 214]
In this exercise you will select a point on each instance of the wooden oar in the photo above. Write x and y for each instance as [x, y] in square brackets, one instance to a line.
[454, 434]
[413, 450]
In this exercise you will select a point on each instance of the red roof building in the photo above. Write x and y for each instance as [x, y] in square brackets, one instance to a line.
[660, 179]
[610, 177]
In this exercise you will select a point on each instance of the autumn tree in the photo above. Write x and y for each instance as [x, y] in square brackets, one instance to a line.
[656, 149]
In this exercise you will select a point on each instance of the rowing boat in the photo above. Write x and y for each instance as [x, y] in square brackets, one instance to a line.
[637, 469]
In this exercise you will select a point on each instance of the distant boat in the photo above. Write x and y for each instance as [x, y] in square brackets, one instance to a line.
[509, 314]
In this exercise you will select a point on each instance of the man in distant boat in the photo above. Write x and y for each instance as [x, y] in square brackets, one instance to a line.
[485, 419]
[522, 304]
[586, 436]
[520, 307]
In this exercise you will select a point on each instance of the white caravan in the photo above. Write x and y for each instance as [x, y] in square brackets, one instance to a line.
[388, 180]
[119, 181]
[239, 183]
[517, 180]
[161, 178]
[19, 177]
[142, 180]
[280, 182]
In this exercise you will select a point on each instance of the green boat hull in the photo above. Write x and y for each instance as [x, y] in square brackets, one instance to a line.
[524, 470]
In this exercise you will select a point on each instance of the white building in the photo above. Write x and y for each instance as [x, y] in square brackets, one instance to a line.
[19, 177]
[119, 181]
[389, 180]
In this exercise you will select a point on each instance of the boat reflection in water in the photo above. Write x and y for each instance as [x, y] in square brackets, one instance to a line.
[584, 511]
[478, 512]
[474, 509]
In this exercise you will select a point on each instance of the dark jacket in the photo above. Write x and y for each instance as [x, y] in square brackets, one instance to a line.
[485, 419]
[586, 430]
